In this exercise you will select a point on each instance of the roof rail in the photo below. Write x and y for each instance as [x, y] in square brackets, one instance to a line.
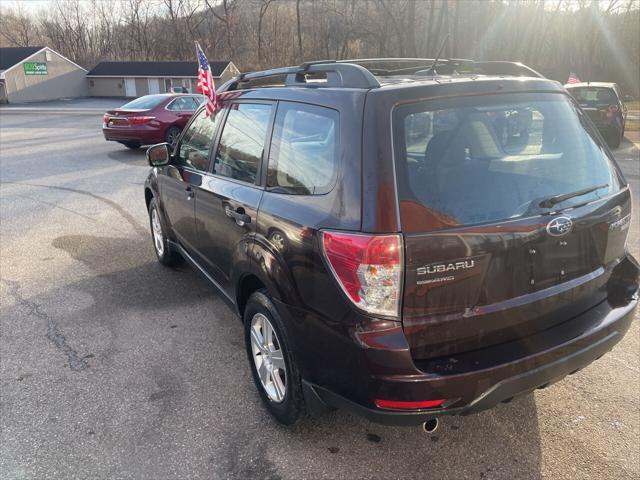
[357, 73]
[402, 60]
[390, 66]
[338, 74]
[508, 66]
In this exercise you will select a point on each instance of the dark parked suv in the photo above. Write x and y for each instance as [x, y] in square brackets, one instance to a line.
[602, 102]
[403, 245]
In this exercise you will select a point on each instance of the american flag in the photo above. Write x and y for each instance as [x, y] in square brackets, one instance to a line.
[205, 81]
[573, 78]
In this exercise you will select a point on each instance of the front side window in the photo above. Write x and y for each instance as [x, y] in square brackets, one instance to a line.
[478, 160]
[196, 142]
[242, 141]
[304, 150]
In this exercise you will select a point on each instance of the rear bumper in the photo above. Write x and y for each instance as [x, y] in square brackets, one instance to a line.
[380, 367]
[143, 135]
[501, 391]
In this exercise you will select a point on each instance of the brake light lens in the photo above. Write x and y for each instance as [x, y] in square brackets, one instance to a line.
[368, 268]
[398, 405]
[105, 118]
[139, 120]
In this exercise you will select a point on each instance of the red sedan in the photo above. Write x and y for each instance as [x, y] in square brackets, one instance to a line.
[150, 119]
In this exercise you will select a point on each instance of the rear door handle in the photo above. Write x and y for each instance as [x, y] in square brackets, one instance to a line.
[238, 215]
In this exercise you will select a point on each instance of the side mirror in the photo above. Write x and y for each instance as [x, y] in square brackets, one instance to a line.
[158, 155]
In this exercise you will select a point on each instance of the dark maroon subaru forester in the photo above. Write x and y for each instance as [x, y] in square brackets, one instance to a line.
[398, 242]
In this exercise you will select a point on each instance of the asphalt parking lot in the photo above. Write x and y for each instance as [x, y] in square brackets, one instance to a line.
[112, 366]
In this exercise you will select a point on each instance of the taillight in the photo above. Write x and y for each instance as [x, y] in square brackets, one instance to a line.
[139, 120]
[105, 118]
[368, 269]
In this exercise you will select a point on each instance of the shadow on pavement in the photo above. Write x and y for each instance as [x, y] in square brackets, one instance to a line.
[128, 156]
[135, 299]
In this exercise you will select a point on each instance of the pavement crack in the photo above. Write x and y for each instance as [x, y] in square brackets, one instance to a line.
[54, 205]
[140, 230]
[76, 362]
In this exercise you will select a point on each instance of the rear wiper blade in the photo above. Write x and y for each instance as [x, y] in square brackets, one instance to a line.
[551, 201]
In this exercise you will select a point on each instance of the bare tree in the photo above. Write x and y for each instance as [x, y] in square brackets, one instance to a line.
[264, 6]
[299, 27]
[17, 28]
[599, 40]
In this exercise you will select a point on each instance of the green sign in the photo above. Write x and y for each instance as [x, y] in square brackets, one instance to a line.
[35, 68]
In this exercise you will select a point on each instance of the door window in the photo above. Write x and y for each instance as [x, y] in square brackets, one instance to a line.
[303, 155]
[196, 142]
[242, 141]
[183, 104]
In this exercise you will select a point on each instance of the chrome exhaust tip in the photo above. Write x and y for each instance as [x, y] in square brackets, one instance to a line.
[430, 425]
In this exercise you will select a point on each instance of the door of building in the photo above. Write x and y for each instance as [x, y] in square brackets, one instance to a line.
[154, 86]
[3, 93]
[130, 87]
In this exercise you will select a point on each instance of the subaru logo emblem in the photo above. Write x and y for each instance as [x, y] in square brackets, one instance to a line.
[559, 226]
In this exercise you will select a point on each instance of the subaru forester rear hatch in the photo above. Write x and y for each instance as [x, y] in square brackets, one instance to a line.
[599, 103]
[513, 216]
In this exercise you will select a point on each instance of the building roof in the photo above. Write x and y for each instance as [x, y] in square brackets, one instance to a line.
[9, 56]
[154, 69]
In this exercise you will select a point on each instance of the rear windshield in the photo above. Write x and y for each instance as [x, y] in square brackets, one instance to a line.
[144, 103]
[594, 95]
[473, 160]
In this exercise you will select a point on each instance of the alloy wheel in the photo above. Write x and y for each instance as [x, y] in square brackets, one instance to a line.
[158, 237]
[172, 136]
[268, 358]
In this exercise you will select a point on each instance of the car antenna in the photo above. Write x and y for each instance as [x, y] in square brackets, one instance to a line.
[432, 69]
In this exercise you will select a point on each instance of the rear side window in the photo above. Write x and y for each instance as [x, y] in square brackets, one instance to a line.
[182, 104]
[242, 141]
[304, 150]
[469, 161]
[594, 95]
[144, 103]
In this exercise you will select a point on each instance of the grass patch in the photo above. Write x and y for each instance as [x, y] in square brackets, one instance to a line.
[632, 125]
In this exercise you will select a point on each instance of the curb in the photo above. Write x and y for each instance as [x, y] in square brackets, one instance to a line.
[32, 110]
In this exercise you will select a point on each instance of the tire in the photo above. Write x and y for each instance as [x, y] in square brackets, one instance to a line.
[131, 145]
[290, 407]
[166, 255]
[172, 135]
